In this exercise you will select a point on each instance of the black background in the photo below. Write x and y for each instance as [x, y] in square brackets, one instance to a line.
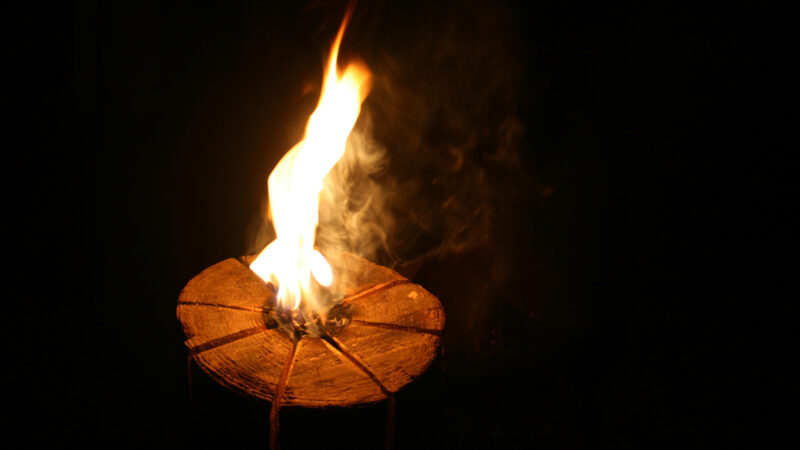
[588, 321]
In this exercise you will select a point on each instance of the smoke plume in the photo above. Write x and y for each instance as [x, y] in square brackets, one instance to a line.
[436, 149]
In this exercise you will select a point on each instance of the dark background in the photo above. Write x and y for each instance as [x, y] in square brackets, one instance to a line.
[587, 319]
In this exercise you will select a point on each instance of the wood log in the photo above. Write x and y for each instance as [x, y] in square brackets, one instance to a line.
[393, 336]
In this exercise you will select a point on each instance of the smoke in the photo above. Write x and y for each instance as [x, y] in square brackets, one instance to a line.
[355, 206]
[444, 108]
[435, 153]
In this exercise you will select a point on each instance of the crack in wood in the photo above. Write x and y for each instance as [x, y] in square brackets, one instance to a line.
[257, 309]
[338, 346]
[227, 339]
[392, 326]
[278, 398]
[374, 289]
[241, 260]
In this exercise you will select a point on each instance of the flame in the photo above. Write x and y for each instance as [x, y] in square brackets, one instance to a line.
[297, 181]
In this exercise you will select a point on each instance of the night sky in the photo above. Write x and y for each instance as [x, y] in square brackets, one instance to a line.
[577, 275]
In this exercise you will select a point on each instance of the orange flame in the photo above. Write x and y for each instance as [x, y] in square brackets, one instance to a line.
[297, 181]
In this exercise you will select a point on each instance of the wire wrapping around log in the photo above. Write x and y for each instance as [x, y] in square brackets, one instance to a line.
[393, 336]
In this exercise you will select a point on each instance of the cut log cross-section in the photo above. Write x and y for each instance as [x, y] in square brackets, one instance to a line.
[392, 338]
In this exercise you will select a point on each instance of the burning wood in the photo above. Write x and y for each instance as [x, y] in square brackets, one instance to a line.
[296, 328]
[395, 328]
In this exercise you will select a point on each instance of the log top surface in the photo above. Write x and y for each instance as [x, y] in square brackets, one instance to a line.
[393, 336]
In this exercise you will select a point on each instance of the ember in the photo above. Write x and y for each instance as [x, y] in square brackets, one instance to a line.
[301, 322]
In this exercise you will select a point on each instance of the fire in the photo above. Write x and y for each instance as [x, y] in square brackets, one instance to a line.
[297, 181]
